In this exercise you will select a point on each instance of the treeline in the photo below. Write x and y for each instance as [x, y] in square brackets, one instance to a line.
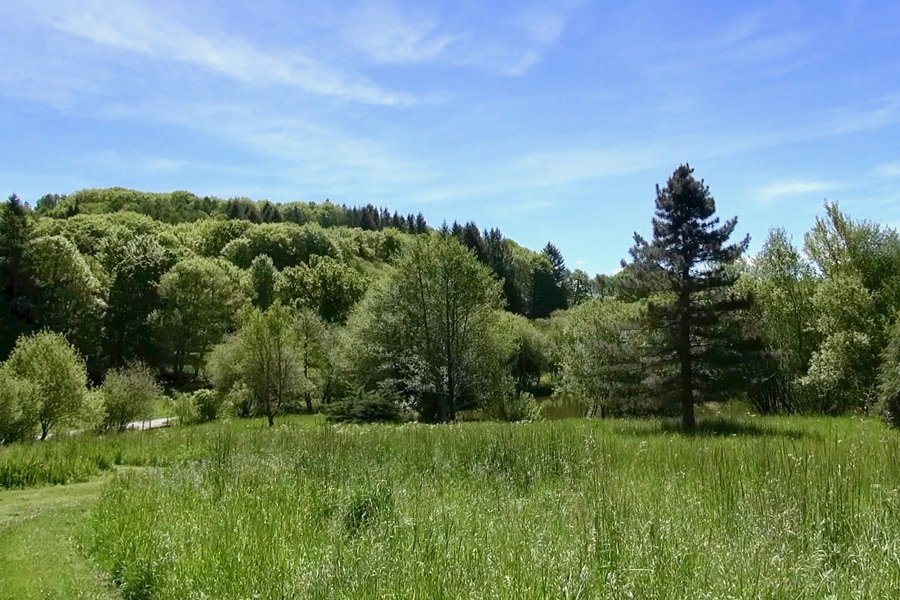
[185, 207]
[170, 293]
[114, 291]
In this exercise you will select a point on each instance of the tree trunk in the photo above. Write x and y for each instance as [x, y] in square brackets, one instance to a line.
[271, 417]
[688, 421]
[45, 429]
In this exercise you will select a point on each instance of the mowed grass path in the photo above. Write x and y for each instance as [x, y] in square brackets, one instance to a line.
[40, 557]
[752, 508]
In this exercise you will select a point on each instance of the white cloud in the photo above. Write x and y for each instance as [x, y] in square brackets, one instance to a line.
[887, 170]
[799, 187]
[130, 28]
[388, 37]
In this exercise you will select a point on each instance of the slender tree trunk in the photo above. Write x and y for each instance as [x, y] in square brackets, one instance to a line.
[688, 421]
[271, 417]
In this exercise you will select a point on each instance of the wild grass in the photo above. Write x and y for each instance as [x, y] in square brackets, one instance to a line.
[754, 508]
[78, 458]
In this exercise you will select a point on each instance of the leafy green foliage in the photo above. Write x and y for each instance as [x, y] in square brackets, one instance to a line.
[19, 408]
[199, 301]
[68, 297]
[16, 302]
[427, 327]
[267, 357]
[854, 305]
[263, 277]
[600, 350]
[133, 297]
[53, 367]
[889, 378]
[128, 394]
[327, 286]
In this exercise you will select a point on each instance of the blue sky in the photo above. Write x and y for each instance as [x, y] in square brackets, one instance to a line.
[553, 121]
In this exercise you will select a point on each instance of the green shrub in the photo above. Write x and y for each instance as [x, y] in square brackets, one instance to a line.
[184, 409]
[19, 406]
[363, 406]
[889, 378]
[515, 407]
[128, 395]
[208, 404]
[59, 376]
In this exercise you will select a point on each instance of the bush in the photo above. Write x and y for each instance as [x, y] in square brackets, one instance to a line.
[19, 406]
[184, 409]
[889, 378]
[515, 407]
[128, 395]
[201, 406]
[57, 371]
[383, 406]
[208, 404]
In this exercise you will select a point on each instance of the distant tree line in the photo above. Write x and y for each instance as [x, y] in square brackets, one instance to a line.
[260, 309]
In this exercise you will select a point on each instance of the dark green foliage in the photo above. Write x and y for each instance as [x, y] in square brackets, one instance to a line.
[133, 296]
[288, 245]
[16, 301]
[889, 378]
[263, 277]
[687, 272]
[361, 406]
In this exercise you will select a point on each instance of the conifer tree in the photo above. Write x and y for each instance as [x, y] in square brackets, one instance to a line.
[16, 301]
[687, 271]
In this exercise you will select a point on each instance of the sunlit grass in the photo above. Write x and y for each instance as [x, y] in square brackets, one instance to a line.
[73, 459]
[747, 508]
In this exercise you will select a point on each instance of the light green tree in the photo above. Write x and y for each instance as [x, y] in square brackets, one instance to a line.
[271, 359]
[199, 300]
[53, 366]
[19, 408]
[600, 345]
[128, 394]
[427, 327]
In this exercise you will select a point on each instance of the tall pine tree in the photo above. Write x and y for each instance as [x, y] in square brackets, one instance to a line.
[687, 272]
[16, 293]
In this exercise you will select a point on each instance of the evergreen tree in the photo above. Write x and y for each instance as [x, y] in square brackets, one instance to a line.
[270, 213]
[16, 302]
[687, 271]
[421, 225]
[471, 238]
[262, 279]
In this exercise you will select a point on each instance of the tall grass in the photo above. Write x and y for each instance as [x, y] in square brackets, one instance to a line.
[72, 459]
[773, 508]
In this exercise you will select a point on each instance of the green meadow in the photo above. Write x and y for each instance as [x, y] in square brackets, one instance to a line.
[748, 507]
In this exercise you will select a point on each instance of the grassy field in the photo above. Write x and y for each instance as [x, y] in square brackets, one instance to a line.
[749, 508]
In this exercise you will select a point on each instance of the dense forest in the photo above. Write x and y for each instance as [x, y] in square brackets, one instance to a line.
[113, 298]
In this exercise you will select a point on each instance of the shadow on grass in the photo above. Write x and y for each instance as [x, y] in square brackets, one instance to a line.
[710, 428]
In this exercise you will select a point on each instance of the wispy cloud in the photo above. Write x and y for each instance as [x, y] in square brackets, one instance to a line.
[788, 189]
[388, 37]
[887, 170]
[132, 28]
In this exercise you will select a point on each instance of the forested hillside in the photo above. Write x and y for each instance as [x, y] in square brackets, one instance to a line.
[258, 308]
